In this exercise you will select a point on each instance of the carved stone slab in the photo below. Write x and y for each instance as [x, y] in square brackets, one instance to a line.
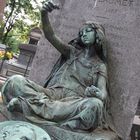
[121, 20]
[43, 62]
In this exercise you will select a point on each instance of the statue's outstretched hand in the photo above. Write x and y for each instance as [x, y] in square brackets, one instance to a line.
[93, 91]
[49, 6]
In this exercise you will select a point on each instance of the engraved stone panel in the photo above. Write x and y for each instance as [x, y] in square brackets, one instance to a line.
[45, 58]
[121, 19]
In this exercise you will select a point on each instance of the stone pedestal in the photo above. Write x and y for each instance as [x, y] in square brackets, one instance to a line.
[27, 53]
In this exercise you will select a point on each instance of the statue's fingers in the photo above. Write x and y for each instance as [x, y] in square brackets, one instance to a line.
[44, 9]
[51, 3]
[94, 88]
[97, 89]
[47, 7]
[87, 89]
[57, 6]
[45, 4]
[51, 6]
[90, 90]
[54, 6]
[97, 93]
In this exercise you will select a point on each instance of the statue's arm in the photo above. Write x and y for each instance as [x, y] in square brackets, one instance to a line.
[51, 37]
[100, 90]
[102, 84]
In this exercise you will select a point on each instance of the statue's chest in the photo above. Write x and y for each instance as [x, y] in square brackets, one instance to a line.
[83, 71]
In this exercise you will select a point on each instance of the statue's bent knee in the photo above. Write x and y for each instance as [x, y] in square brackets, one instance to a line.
[93, 102]
[11, 88]
[15, 78]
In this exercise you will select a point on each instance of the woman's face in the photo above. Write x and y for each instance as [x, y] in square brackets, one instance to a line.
[87, 35]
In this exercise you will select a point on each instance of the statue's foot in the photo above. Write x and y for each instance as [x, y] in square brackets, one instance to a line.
[14, 105]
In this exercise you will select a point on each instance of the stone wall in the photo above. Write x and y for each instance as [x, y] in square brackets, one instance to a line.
[2, 6]
[121, 20]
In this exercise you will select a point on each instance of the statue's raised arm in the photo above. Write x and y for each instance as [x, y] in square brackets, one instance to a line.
[63, 48]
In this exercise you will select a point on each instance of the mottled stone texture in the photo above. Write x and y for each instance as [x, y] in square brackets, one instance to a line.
[121, 19]
[43, 62]
[2, 6]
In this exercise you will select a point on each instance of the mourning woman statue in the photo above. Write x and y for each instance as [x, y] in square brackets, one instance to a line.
[75, 97]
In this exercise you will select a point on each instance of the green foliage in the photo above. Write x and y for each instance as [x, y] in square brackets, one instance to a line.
[19, 18]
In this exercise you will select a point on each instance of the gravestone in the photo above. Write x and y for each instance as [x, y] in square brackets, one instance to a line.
[120, 19]
[44, 60]
[27, 52]
[35, 35]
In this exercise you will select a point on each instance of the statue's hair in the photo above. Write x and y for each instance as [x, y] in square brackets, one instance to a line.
[100, 41]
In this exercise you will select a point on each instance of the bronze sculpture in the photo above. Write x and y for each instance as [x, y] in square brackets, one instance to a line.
[18, 130]
[76, 96]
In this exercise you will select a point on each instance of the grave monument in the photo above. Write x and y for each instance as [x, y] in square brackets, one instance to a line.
[27, 51]
[75, 101]
[120, 18]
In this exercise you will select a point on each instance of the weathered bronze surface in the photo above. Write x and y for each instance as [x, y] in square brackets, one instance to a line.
[19, 130]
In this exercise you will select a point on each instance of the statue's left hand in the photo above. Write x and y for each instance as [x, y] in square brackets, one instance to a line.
[93, 91]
